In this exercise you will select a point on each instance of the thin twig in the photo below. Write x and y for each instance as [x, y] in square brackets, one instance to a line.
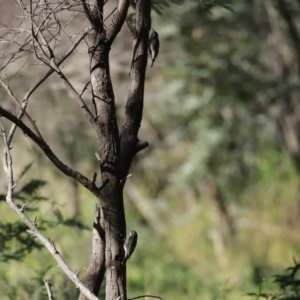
[146, 296]
[49, 153]
[51, 71]
[48, 288]
[49, 59]
[75, 94]
[87, 11]
[84, 88]
[7, 165]
[110, 13]
[10, 92]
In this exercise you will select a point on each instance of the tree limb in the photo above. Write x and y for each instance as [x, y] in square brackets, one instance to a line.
[51, 71]
[49, 153]
[86, 11]
[146, 296]
[10, 92]
[117, 21]
[7, 165]
[75, 94]
[130, 143]
[96, 269]
[48, 58]
[49, 291]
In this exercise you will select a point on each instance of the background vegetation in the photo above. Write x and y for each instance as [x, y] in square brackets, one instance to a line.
[215, 196]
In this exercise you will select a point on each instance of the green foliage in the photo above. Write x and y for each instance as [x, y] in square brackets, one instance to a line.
[287, 285]
[69, 222]
[207, 118]
[16, 244]
[14, 233]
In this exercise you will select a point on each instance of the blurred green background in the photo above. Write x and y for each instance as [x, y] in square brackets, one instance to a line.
[215, 198]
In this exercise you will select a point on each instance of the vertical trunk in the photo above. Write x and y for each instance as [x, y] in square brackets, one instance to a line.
[114, 165]
[96, 270]
[109, 152]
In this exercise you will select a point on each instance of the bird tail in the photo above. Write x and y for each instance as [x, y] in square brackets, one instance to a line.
[124, 260]
[152, 63]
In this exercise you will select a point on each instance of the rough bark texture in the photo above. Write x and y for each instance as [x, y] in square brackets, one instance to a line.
[130, 143]
[110, 230]
[115, 151]
[96, 270]
[109, 153]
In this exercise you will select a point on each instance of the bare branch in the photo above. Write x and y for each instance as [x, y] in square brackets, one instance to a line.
[84, 88]
[49, 153]
[49, 59]
[77, 96]
[7, 165]
[118, 20]
[96, 269]
[9, 91]
[19, 53]
[51, 71]
[146, 296]
[35, 33]
[114, 9]
[130, 144]
[87, 11]
[49, 291]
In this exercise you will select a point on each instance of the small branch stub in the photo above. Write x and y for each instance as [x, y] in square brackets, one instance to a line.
[49, 291]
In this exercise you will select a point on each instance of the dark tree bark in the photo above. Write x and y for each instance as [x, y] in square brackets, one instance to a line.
[115, 150]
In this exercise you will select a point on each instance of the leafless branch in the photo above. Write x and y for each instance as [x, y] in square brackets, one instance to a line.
[87, 11]
[130, 144]
[114, 9]
[84, 88]
[49, 153]
[146, 296]
[10, 92]
[25, 48]
[49, 291]
[117, 21]
[48, 58]
[19, 53]
[33, 229]
[75, 94]
[97, 263]
[51, 71]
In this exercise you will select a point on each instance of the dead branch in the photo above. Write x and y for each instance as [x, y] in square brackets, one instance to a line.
[146, 296]
[33, 229]
[86, 10]
[117, 21]
[49, 153]
[130, 143]
[45, 53]
[10, 92]
[96, 269]
[19, 53]
[26, 47]
[48, 288]
[51, 71]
